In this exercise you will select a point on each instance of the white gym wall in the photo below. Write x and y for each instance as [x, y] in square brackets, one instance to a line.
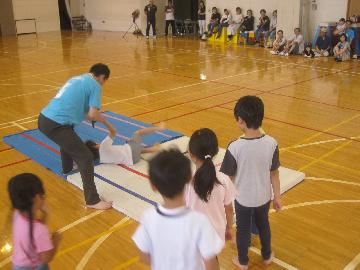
[46, 13]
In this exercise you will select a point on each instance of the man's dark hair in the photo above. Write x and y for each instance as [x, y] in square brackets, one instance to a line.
[100, 69]
[349, 21]
[297, 28]
[262, 10]
[251, 110]
[169, 171]
[280, 31]
[93, 149]
[342, 20]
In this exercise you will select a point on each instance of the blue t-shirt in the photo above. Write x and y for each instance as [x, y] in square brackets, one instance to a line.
[323, 43]
[72, 103]
[350, 34]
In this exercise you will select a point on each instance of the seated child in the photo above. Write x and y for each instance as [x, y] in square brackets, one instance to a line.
[342, 50]
[170, 235]
[235, 25]
[214, 21]
[210, 192]
[279, 43]
[224, 22]
[308, 52]
[127, 154]
[34, 247]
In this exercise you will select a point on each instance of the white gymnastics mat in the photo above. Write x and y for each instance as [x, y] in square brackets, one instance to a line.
[130, 190]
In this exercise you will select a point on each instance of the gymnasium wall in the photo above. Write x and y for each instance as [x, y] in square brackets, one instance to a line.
[46, 13]
[115, 15]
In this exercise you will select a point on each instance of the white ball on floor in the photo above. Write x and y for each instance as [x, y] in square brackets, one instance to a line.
[202, 77]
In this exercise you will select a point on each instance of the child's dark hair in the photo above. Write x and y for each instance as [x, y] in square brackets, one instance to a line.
[342, 20]
[343, 35]
[251, 110]
[250, 10]
[203, 145]
[91, 145]
[349, 21]
[280, 31]
[238, 9]
[22, 190]
[262, 11]
[100, 69]
[169, 171]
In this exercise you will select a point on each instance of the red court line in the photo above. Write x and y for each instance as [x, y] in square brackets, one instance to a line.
[133, 171]
[303, 127]
[14, 163]
[186, 102]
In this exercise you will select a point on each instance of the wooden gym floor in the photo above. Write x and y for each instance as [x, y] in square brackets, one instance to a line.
[312, 109]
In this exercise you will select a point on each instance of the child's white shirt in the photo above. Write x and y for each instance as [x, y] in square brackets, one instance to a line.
[115, 154]
[177, 239]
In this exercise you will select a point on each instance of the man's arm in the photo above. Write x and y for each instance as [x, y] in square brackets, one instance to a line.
[94, 114]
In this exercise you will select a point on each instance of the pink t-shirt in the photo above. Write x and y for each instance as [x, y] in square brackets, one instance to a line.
[214, 209]
[24, 254]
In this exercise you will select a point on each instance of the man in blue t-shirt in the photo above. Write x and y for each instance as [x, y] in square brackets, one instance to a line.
[350, 37]
[322, 46]
[78, 100]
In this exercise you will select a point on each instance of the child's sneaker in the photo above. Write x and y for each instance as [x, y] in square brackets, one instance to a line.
[355, 56]
[147, 37]
[240, 266]
[286, 54]
[274, 52]
[282, 54]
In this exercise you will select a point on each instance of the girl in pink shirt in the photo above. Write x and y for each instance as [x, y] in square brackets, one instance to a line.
[33, 246]
[210, 191]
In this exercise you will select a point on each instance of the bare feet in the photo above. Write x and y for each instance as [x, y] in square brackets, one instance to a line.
[270, 260]
[161, 126]
[102, 205]
[240, 266]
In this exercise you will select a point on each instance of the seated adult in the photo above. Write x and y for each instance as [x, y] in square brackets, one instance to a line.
[236, 23]
[248, 24]
[279, 43]
[264, 25]
[322, 46]
[342, 49]
[214, 21]
[350, 38]
[272, 30]
[224, 22]
[295, 44]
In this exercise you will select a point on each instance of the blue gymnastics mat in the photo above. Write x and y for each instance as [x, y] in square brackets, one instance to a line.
[38, 147]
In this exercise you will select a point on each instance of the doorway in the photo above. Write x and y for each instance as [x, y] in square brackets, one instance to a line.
[65, 20]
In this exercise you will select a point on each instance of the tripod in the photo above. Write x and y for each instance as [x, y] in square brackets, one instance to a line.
[137, 29]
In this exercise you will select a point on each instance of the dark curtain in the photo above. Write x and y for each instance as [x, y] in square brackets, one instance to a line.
[65, 20]
[194, 9]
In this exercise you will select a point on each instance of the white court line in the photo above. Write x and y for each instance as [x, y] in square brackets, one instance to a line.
[62, 230]
[19, 126]
[332, 181]
[85, 259]
[352, 265]
[275, 260]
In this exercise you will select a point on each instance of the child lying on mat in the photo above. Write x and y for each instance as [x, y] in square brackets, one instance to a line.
[127, 154]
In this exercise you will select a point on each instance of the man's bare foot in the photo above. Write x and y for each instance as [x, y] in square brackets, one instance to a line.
[102, 205]
[161, 126]
[270, 260]
[235, 261]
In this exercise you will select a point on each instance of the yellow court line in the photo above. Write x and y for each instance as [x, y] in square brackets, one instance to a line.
[91, 239]
[126, 264]
[325, 155]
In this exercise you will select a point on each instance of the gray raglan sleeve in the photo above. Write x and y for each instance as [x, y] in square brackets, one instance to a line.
[229, 165]
[275, 164]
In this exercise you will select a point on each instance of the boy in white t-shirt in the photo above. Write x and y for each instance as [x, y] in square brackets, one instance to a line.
[170, 235]
[126, 154]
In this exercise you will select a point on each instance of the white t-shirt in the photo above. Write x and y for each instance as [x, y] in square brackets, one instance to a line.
[251, 161]
[221, 195]
[300, 40]
[177, 239]
[226, 19]
[238, 18]
[169, 14]
[115, 154]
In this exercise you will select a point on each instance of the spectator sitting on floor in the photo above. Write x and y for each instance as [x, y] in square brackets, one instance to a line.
[248, 24]
[224, 22]
[214, 21]
[295, 45]
[279, 43]
[272, 31]
[235, 25]
[350, 37]
[264, 24]
[342, 50]
[308, 52]
[322, 46]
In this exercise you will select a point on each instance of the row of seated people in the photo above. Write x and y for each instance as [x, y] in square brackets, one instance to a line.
[239, 22]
